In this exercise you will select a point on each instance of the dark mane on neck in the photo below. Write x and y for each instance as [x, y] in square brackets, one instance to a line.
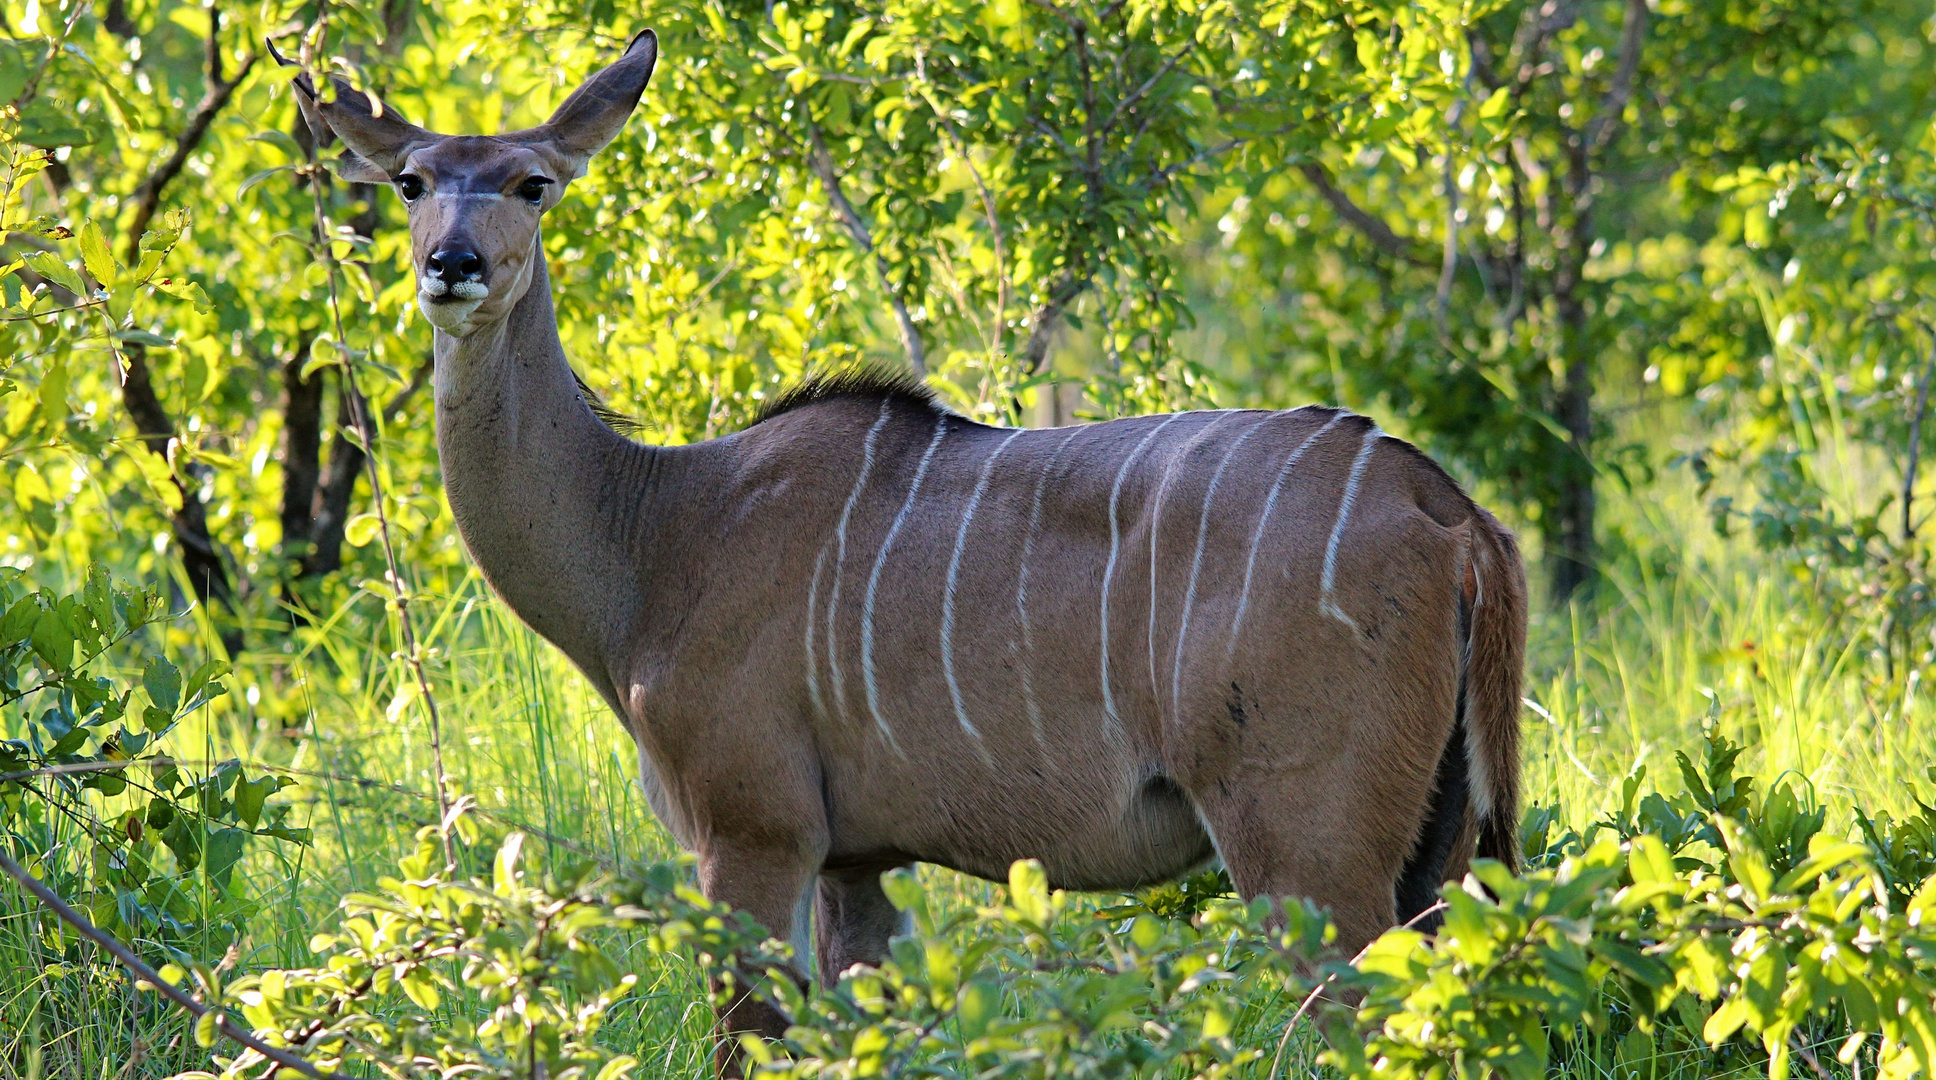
[869, 381]
[623, 423]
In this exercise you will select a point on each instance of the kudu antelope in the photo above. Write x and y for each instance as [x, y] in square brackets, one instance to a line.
[866, 631]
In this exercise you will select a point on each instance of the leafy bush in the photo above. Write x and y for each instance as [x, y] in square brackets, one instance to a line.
[1743, 925]
[1047, 987]
[145, 843]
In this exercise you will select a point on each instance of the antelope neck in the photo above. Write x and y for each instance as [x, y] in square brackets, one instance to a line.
[551, 503]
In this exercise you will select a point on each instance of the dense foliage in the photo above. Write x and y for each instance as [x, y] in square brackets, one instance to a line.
[1740, 916]
[1588, 252]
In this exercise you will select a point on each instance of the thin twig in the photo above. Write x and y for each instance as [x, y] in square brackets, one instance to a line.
[148, 975]
[1916, 443]
[1613, 107]
[822, 164]
[1277, 1061]
[360, 416]
[1129, 102]
[1808, 1055]
[988, 204]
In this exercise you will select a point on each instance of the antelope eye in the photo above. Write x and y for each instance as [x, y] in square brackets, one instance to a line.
[533, 189]
[410, 186]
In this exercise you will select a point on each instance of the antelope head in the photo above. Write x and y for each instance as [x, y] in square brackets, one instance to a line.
[475, 200]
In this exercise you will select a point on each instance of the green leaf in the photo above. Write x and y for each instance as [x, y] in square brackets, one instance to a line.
[55, 269]
[50, 125]
[53, 641]
[1750, 866]
[143, 338]
[209, 671]
[183, 289]
[224, 851]
[361, 529]
[1495, 104]
[52, 393]
[13, 72]
[163, 682]
[257, 178]
[95, 255]
[205, 1030]
[420, 988]
[19, 620]
[1028, 890]
[249, 797]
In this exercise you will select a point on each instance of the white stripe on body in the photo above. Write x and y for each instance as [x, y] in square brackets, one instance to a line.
[874, 585]
[954, 575]
[1257, 537]
[1021, 594]
[1156, 522]
[1196, 564]
[840, 557]
[1109, 568]
[813, 603]
[1327, 596]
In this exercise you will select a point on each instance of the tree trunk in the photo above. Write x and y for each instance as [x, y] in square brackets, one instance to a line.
[1570, 538]
[201, 559]
[335, 491]
[302, 450]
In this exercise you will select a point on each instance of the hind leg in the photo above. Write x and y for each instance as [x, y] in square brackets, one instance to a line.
[1275, 844]
[853, 922]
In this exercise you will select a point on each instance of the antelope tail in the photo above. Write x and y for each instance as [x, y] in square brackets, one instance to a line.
[1496, 653]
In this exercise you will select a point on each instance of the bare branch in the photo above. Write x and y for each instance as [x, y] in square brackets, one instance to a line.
[1613, 108]
[1916, 445]
[1042, 325]
[200, 558]
[822, 164]
[1371, 226]
[146, 197]
[1449, 264]
[1137, 95]
[1053, 136]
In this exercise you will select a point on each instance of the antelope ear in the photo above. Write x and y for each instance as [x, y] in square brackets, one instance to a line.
[377, 144]
[595, 112]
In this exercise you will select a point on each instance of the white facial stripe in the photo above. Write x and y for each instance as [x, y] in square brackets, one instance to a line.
[1109, 568]
[840, 557]
[874, 585]
[813, 618]
[1021, 595]
[1257, 537]
[954, 574]
[1196, 563]
[1327, 600]
[468, 195]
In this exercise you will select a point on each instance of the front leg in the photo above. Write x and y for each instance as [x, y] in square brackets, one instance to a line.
[768, 882]
[852, 922]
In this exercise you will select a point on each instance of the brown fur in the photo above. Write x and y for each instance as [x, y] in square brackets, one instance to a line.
[867, 632]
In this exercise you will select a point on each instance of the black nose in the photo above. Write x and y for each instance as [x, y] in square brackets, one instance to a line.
[453, 265]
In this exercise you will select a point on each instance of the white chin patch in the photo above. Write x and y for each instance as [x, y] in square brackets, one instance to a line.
[452, 317]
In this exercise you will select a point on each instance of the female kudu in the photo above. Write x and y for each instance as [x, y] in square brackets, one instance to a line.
[866, 631]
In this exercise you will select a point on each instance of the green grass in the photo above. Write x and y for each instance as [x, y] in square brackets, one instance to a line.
[1691, 630]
